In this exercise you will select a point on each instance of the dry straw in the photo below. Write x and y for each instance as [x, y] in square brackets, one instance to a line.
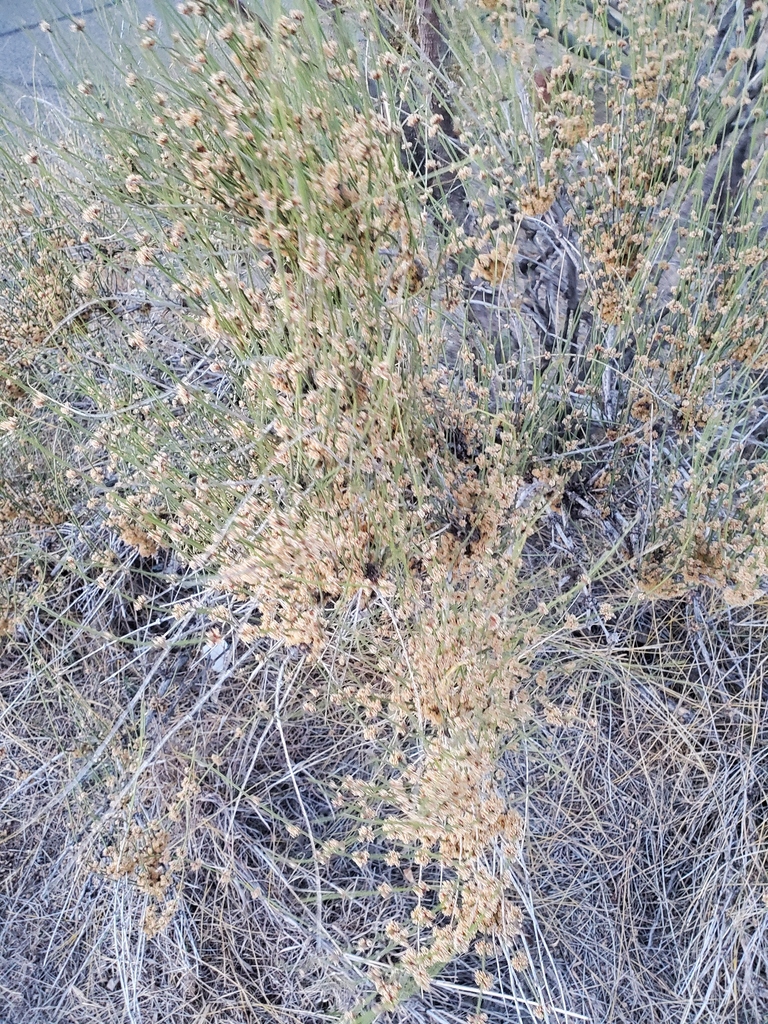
[383, 518]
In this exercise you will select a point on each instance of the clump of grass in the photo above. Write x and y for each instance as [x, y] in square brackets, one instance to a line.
[384, 515]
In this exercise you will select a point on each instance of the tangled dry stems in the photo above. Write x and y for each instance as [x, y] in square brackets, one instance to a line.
[383, 521]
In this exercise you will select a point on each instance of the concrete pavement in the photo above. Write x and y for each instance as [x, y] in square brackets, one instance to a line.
[25, 51]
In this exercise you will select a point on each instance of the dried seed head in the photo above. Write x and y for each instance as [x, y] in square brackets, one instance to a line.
[91, 214]
[189, 118]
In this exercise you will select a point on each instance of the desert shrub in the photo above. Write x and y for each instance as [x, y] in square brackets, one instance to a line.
[384, 518]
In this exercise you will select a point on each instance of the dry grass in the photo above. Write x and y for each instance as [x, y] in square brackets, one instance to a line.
[383, 516]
